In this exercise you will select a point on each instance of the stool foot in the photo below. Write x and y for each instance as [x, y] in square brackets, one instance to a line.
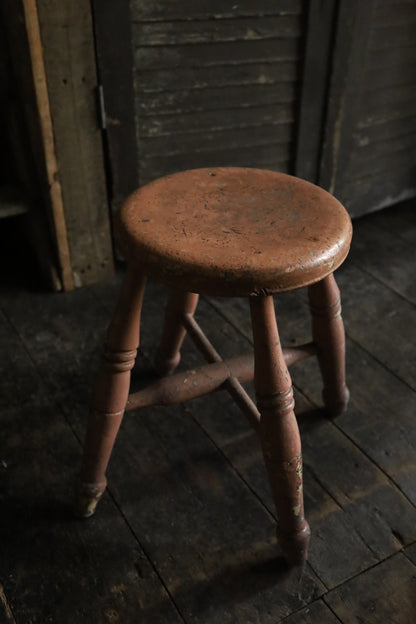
[336, 405]
[329, 336]
[87, 498]
[110, 393]
[295, 546]
[168, 354]
[279, 432]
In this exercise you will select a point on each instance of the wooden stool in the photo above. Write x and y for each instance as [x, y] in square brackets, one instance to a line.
[231, 232]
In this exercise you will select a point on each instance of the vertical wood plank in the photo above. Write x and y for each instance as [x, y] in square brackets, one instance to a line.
[42, 99]
[66, 32]
[317, 60]
[113, 39]
[350, 47]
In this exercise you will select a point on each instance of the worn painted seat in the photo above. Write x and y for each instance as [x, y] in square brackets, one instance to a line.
[232, 231]
[227, 232]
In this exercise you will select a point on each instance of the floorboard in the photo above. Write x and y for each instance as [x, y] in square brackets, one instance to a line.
[186, 531]
[385, 593]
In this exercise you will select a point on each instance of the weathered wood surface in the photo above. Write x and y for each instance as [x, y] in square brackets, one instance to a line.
[46, 553]
[161, 10]
[370, 143]
[66, 32]
[40, 82]
[112, 31]
[186, 532]
[314, 86]
[381, 257]
[312, 614]
[386, 593]
[229, 62]
[23, 143]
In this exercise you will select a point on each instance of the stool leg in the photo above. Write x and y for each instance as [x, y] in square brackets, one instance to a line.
[110, 392]
[328, 335]
[279, 432]
[168, 354]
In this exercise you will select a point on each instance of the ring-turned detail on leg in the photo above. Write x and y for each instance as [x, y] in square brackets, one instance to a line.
[279, 432]
[110, 393]
[329, 336]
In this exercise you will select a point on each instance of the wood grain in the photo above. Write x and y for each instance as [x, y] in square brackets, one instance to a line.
[190, 537]
[160, 10]
[387, 592]
[67, 40]
[229, 63]
[48, 140]
[42, 540]
[368, 152]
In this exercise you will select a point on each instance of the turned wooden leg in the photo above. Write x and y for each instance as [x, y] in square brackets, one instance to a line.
[329, 337]
[168, 354]
[110, 392]
[279, 432]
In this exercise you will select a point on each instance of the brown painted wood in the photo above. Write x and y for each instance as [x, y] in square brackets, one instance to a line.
[232, 383]
[279, 433]
[111, 392]
[343, 489]
[194, 383]
[187, 508]
[227, 567]
[344, 542]
[328, 334]
[207, 231]
[176, 547]
[173, 334]
[45, 552]
[189, 255]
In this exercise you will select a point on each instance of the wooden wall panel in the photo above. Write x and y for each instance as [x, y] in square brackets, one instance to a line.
[216, 83]
[369, 158]
[113, 42]
[68, 47]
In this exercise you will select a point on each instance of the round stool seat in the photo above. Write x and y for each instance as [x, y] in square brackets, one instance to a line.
[234, 231]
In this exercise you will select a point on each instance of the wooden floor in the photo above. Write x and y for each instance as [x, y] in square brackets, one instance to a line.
[186, 532]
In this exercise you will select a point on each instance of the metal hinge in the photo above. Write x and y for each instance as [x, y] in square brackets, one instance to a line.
[101, 107]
